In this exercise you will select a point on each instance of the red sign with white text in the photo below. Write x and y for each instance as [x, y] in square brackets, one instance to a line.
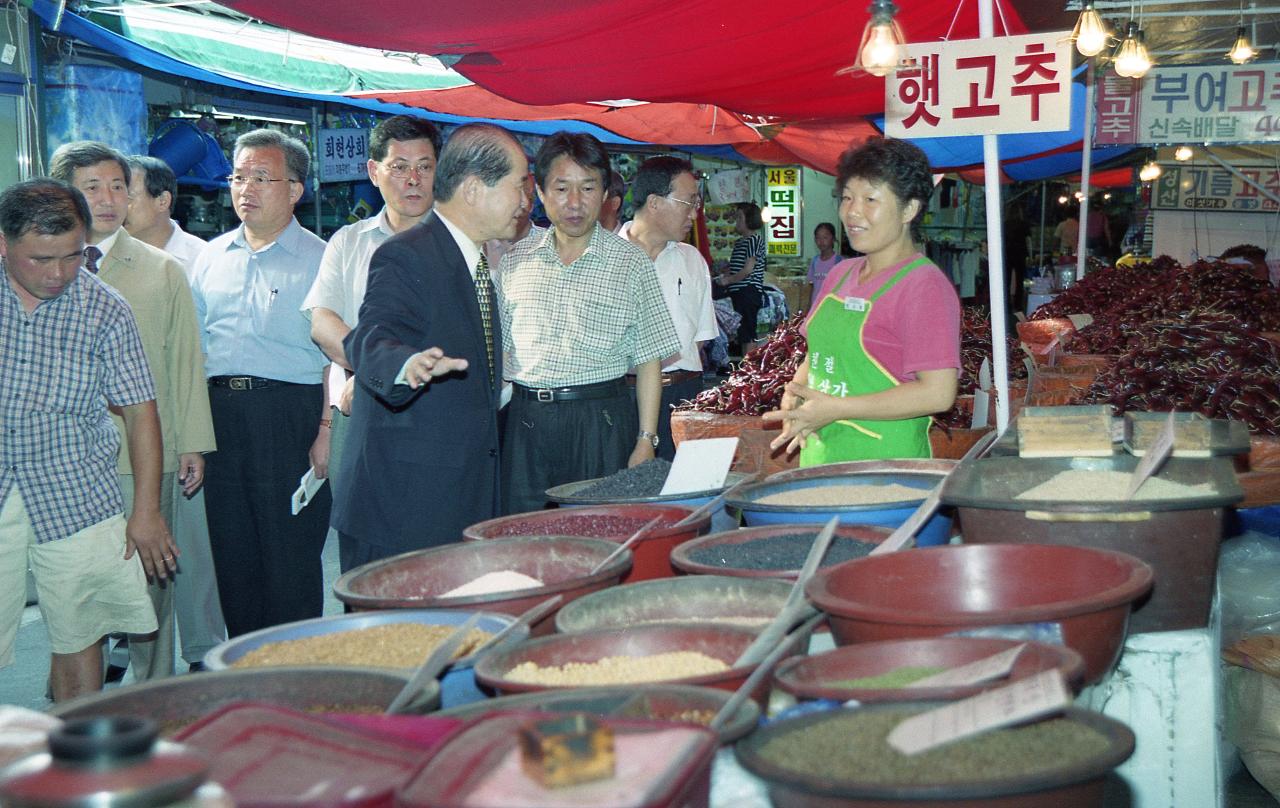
[982, 87]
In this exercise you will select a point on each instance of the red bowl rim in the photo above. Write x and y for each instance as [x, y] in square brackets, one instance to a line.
[616, 569]
[1137, 584]
[476, 532]
[1070, 663]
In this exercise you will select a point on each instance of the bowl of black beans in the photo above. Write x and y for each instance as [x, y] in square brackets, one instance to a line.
[773, 551]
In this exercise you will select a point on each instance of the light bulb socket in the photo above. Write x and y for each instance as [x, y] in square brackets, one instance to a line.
[1242, 51]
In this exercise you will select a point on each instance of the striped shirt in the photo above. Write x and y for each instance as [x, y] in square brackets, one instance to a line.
[588, 322]
[743, 249]
[61, 365]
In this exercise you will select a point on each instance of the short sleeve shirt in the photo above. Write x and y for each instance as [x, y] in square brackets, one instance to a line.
[686, 288]
[62, 364]
[344, 270]
[744, 248]
[590, 321]
[914, 326]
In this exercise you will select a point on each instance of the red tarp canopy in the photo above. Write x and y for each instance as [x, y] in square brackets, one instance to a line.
[754, 57]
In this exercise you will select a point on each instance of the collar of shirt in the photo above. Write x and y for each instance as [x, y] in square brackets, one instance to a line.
[73, 294]
[288, 239]
[593, 246]
[107, 243]
[470, 252]
[379, 222]
[625, 232]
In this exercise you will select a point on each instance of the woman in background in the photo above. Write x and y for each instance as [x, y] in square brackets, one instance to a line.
[745, 276]
[884, 338]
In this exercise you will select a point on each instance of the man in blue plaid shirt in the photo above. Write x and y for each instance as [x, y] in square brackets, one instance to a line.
[69, 348]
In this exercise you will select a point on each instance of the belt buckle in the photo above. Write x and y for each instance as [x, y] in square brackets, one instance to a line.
[546, 396]
[240, 383]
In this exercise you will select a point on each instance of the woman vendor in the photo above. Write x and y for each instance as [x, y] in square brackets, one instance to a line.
[884, 336]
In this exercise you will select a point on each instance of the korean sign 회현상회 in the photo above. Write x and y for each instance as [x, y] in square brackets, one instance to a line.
[782, 215]
[1221, 103]
[1192, 186]
[343, 154]
[981, 87]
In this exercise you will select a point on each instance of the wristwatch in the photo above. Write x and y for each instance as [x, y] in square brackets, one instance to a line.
[649, 436]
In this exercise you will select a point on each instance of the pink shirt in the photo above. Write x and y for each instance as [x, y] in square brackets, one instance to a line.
[914, 326]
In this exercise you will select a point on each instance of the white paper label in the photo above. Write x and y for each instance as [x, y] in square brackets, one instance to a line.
[1159, 452]
[1033, 697]
[981, 670]
[700, 465]
[981, 409]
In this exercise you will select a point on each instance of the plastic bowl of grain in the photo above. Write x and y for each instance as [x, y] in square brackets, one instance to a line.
[939, 467]
[773, 551]
[611, 522]
[688, 599]
[932, 591]
[882, 671]
[659, 653]
[540, 567]
[885, 498]
[839, 759]
[395, 640]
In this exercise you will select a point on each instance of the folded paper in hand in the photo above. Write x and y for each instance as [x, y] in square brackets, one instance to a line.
[307, 488]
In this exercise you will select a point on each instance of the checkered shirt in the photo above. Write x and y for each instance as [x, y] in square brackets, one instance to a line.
[588, 322]
[61, 365]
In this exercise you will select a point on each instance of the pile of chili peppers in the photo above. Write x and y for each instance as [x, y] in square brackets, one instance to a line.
[1121, 301]
[975, 346]
[756, 385]
[1201, 361]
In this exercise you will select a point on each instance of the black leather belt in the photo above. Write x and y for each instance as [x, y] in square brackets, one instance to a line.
[245, 382]
[670, 377]
[580, 392]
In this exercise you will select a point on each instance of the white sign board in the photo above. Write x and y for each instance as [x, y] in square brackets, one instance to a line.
[1216, 103]
[343, 154]
[996, 86]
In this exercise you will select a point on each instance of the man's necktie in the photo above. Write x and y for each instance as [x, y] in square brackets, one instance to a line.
[91, 256]
[484, 296]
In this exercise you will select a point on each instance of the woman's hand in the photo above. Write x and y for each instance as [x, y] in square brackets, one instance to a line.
[804, 411]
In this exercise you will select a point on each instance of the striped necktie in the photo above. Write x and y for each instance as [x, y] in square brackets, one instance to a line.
[484, 296]
[91, 256]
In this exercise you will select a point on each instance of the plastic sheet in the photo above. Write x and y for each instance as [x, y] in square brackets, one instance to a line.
[1247, 572]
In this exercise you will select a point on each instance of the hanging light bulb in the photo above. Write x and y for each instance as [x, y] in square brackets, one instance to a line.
[1182, 154]
[1090, 34]
[1242, 51]
[881, 48]
[1150, 171]
[1132, 59]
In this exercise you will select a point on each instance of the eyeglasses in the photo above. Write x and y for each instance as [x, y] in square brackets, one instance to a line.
[239, 181]
[401, 171]
[696, 204]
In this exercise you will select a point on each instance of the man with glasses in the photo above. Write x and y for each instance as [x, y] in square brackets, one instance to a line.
[265, 390]
[402, 164]
[665, 194]
[580, 308]
[154, 285]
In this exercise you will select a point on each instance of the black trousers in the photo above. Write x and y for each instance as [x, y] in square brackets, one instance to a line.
[747, 303]
[671, 396]
[553, 443]
[267, 560]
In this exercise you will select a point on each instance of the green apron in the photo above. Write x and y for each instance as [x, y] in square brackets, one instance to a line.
[849, 370]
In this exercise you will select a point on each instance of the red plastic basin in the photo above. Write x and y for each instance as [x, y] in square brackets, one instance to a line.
[815, 677]
[933, 591]
[417, 580]
[725, 643]
[681, 556]
[614, 523]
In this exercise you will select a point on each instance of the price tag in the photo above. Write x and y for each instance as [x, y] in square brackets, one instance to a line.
[700, 465]
[1033, 697]
[1159, 452]
[855, 304]
[981, 670]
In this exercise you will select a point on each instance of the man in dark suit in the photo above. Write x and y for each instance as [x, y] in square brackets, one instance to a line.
[424, 416]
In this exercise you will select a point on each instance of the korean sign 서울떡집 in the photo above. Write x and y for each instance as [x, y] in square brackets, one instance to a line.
[343, 154]
[1219, 103]
[990, 86]
[782, 212]
[1193, 186]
